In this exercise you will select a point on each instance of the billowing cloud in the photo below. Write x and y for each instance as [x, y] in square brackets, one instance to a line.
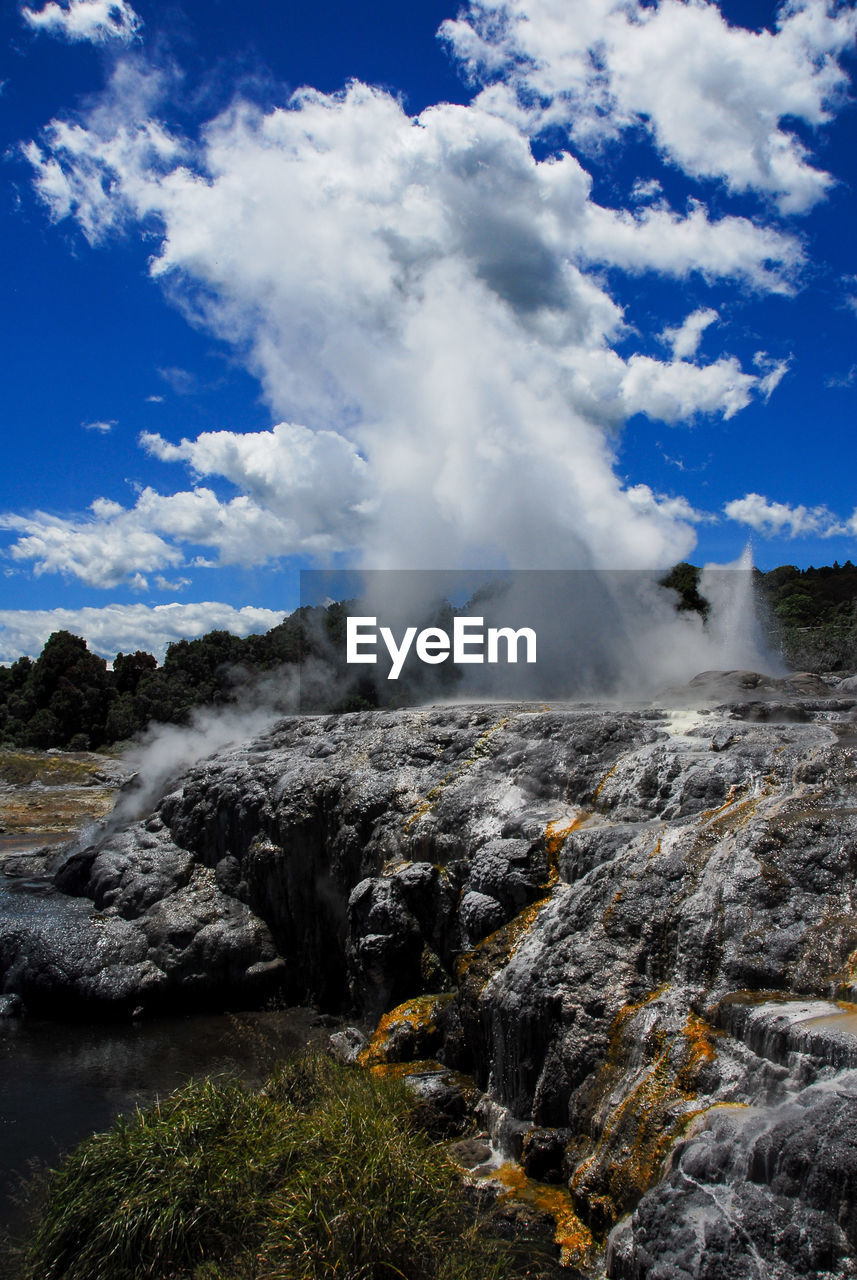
[676, 391]
[127, 627]
[116, 544]
[96, 21]
[427, 300]
[314, 478]
[781, 519]
[103, 549]
[718, 100]
[673, 508]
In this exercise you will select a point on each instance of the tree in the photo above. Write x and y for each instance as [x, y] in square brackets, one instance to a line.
[129, 668]
[74, 686]
[684, 578]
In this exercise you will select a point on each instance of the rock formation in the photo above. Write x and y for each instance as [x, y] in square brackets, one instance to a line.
[635, 929]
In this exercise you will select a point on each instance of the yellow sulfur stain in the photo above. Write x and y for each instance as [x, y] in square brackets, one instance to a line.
[573, 1237]
[556, 834]
[640, 1131]
[603, 783]
[507, 939]
[420, 1013]
[657, 847]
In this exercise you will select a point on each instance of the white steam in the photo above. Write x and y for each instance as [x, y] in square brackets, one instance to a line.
[423, 303]
[166, 751]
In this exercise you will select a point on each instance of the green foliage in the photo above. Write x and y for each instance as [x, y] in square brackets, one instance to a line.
[64, 695]
[322, 1174]
[814, 614]
[128, 668]
[684, 579]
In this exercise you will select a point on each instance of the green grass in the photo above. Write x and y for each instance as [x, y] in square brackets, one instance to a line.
[20, 768]
[322, 1174]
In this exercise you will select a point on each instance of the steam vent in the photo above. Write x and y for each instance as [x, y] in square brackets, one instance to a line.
[634, 931]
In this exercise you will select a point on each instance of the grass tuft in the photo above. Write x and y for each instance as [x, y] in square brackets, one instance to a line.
[321, 1174]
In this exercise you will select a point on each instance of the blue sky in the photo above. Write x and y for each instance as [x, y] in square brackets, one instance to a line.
[547, 283]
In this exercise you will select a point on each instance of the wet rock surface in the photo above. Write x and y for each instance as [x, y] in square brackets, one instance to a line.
[636, 929]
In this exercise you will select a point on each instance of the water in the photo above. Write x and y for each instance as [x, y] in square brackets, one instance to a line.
[61, 1082]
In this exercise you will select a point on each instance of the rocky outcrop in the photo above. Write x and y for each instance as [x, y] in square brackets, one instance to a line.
[635, 929]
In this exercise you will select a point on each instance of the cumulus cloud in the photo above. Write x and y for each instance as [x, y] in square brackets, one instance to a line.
[673, 508]
[103, 549]
[424, 304]
[718, 100]
[686, 337]
[780, 519]
[315, 478]
[116, 544]
[675, 392]
[97, 21]
[127, 627]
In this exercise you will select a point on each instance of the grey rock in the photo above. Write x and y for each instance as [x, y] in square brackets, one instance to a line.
[480, 915]
[11, 1007]
[348, 1044]
[543, 1153]
[445, 1101]
[767, 1192]
[644, 919]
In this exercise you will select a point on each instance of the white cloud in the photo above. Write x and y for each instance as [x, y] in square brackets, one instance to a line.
[678, 391]
[717, 99]
[656, 239]
[646, 189]
[104, 427]
[181, 381]
[780, 519]
[314, 478]
[772, 371]
[127, 627]
[685, 339]
[103, 550]
[424, 297]
[96, 21]
[120, 544]
[842, 380]
[672, 508]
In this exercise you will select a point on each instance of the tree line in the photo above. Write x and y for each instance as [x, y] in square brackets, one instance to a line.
[69, 698]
